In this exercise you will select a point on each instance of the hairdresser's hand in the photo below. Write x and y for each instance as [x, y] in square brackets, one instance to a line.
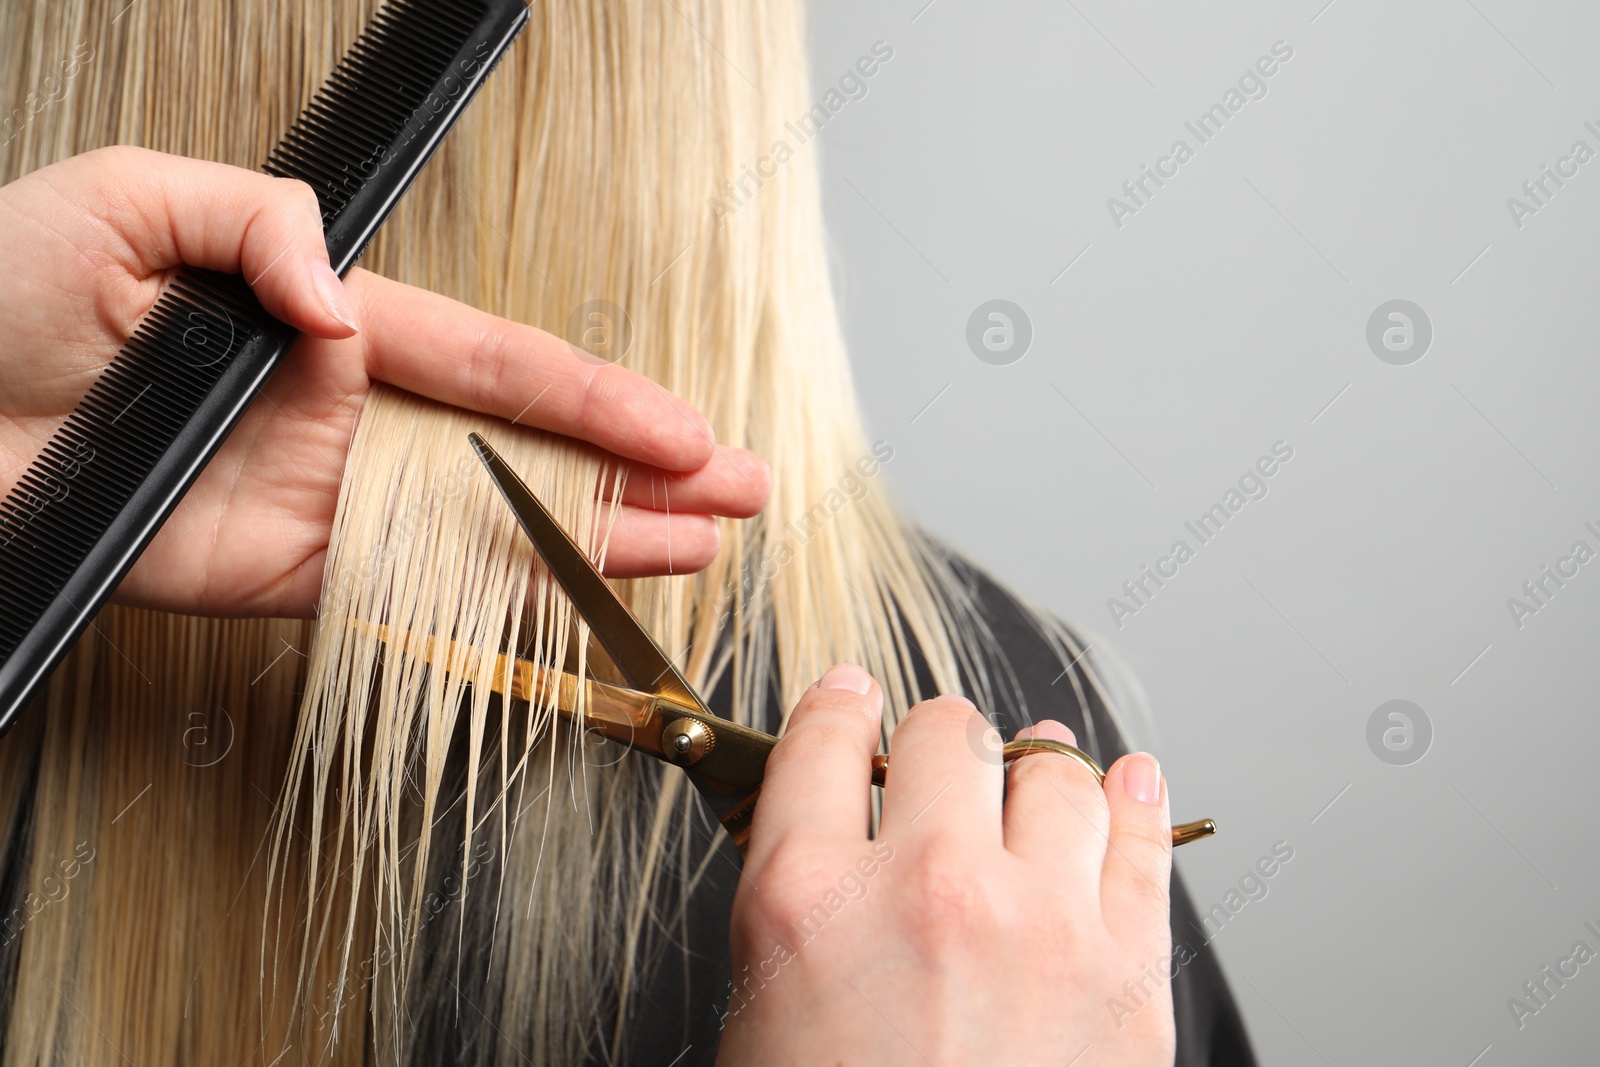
[965, 934]
[87, 244]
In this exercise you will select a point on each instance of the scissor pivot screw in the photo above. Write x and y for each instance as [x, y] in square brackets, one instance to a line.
[685, 741]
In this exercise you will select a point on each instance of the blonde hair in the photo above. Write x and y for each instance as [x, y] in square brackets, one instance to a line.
[304, 879]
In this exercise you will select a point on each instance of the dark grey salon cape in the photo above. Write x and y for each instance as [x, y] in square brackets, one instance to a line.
[1210, 1033]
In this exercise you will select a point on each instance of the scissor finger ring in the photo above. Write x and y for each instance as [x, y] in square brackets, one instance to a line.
[1015, 750]
[1183, 833]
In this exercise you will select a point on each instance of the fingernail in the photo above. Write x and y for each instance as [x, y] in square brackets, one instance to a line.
[959, 699]
[334, 298]
[846, 676]
[1141, 777]
[1049, 730]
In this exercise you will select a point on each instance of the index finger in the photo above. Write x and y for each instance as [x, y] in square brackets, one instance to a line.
[819, 776]
[441, 348]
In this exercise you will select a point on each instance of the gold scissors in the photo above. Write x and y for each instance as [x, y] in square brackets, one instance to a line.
[658, 712]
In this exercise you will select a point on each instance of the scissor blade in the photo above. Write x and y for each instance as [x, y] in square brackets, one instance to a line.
[625, 640]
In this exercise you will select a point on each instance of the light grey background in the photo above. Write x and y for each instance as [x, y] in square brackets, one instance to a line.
[1230, 313]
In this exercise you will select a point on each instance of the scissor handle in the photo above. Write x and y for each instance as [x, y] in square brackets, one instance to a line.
[1012, 751]
[700, 733]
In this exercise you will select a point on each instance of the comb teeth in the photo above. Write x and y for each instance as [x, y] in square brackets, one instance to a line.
[72, 493]
[384, 94]
[90, 502]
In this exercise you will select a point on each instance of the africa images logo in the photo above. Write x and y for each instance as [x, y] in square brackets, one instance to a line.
[1252, 85]
[1252, 485]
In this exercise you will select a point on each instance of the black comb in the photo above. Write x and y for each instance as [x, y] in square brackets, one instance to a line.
[90, 503]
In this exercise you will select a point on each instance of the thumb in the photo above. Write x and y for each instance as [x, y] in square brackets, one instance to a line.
[171, 210]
